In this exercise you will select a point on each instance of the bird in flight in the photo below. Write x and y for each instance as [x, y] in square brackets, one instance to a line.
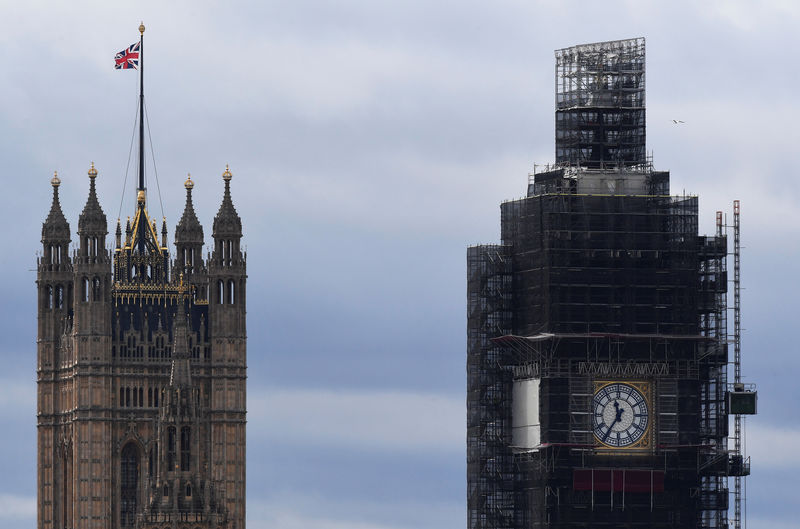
[676, 121]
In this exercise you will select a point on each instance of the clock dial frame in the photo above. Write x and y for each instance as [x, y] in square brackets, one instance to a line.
[622, 414]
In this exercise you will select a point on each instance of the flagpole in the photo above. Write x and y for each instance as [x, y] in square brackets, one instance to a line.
[140, 199]
[141, 107]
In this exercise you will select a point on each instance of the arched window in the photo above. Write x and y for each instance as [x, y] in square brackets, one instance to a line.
[188, 490]
[85, 289]
[48, 294]
[127, 397]
[171, 448]
[141, 397]
[231, 298]
[155, 398]
[129, 481]
[121, 397]
[149, 397]
[185, 448]
[221, 291]
[59, 298]
[97, 291]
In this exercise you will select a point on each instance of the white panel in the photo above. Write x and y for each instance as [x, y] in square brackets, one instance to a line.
[525, 431]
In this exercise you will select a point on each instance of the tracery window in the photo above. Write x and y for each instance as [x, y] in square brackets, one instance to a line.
[185, 448]
[59, 297]
[129, 481]
[97, 292]
[171, 448]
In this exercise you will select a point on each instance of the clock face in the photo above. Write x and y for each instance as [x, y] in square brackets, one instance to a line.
[621, 416]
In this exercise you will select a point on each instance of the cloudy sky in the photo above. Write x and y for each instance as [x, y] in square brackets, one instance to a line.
[371, 143]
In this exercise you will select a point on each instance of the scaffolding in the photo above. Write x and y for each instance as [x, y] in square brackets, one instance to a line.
[489, 461]
[583, 287]
[601, 277]
[600, 104]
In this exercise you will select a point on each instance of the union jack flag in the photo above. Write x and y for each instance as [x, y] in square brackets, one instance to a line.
[127, 58]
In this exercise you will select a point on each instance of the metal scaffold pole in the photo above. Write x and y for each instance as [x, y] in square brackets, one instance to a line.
[737, 361]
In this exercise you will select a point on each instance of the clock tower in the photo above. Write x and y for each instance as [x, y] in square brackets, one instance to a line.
[597, 348]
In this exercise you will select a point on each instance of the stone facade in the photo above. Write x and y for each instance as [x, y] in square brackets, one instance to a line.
[141, 371]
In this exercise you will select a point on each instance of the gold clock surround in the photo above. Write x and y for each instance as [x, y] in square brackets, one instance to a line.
[645, 442]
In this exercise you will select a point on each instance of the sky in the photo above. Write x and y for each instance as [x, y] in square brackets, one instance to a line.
[370, 144]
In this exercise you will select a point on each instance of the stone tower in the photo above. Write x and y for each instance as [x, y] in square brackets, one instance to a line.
[141, 371]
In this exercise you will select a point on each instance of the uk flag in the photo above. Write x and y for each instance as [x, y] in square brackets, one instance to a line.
[127, 58]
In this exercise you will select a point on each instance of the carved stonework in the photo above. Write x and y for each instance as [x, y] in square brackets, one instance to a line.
[126, 359]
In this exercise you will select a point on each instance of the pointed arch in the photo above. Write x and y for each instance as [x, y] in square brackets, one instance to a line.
[59, 297]
[48, 297]
[171, 448]
[186, 438]
[129, 483]
[231, 292]
[97, 290]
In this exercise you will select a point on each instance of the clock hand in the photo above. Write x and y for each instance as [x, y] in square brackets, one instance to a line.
[619, 411]
[607, 432]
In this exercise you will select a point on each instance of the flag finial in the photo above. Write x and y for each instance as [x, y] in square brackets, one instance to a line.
[141, 28]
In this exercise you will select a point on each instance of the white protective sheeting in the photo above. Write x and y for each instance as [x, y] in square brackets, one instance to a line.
[525, 429]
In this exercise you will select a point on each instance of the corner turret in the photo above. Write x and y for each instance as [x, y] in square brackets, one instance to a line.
[227, 228]
[189, 236]
[92, 224]
[55, 232]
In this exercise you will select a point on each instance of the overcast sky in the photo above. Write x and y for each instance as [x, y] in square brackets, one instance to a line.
[371, 143]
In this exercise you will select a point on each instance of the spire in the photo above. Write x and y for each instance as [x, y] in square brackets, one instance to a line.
[227, 222]
[55, 227]
[189, 228]
[92, 219]
[180, 374]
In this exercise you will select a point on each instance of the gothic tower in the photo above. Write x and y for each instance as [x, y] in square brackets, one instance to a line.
[596, 338]
[141, 382]
[54, 440]
[227, 274]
